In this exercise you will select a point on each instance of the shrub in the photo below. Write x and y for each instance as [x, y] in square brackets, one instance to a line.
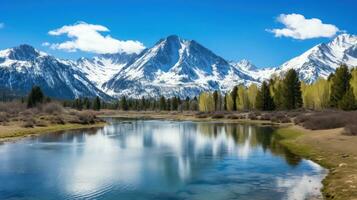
[28, 123]
[266, 116]
[252, 116]
[280, 119]
[350, 129]
[86, 118]
[41, 123]
[57, 120]
[52, 108]
[12, 108]
[327, 120]
[217, 116]
[233, 117]
[201, 115]
[4, 117]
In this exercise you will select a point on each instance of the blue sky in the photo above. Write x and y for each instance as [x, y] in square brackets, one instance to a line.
[233, 29]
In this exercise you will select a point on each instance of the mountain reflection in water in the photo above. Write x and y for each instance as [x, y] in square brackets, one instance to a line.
[138, 159]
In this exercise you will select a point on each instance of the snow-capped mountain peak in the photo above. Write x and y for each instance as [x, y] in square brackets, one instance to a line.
[323, 59]
[172, 67]
[175, 67]
[245, 65]
[23, 66]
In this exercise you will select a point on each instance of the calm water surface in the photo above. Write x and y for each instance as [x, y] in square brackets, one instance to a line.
[134, 159]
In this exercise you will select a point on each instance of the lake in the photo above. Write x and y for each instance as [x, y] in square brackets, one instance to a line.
[157, 159]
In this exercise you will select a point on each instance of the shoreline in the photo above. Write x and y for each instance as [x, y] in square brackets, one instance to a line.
[329, 148]
[18, 133]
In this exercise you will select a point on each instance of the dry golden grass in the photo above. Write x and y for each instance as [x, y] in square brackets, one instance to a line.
[17, 121]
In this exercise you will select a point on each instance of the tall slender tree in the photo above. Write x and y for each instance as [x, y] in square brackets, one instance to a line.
[123, 103]
[96, 103]
[234, 95]
[162, 103]
[291, 92]
[264, 101]
[215, 99]
[340, 85]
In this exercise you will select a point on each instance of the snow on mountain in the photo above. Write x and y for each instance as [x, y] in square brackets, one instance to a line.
[175, 67]
[102, 68]
[23, 66]
[172, 67]
[323, 59]
[260, 74]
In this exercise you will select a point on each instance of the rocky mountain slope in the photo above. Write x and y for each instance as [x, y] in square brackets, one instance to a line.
[175, 67]
[22, 67]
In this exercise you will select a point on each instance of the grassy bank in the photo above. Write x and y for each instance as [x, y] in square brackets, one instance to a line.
[10, 133]
[332, 150]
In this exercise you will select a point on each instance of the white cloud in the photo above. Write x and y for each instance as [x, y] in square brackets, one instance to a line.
[298, 27]
[46, 44]
[87, 37]
[2, 25]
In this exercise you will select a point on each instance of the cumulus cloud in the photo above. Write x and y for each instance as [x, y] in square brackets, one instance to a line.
[298, 27]
[2, 25]
[87, 37]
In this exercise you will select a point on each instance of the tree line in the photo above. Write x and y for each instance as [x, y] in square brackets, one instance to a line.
[142, 104]
[287, 92]
[339, 91]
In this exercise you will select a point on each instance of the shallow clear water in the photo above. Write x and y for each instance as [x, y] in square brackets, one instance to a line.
[132, 159]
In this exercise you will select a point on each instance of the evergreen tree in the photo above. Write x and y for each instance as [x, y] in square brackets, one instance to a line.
[168, 104]
[348, 101]
[234, 95]
[291, 92]
[225, 102]
[340, 85]
[264, 101]
[143, 103]
[123, 103]
[96, 103]
[86, 103]
[35, 97]
[187, 103]
[174, 103]
[162, 103]
[78, 104]
[215, 99]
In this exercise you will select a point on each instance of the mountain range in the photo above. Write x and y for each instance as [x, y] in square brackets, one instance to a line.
[172, 67]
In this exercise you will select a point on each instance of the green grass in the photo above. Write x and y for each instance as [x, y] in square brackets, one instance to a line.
[288, 137]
